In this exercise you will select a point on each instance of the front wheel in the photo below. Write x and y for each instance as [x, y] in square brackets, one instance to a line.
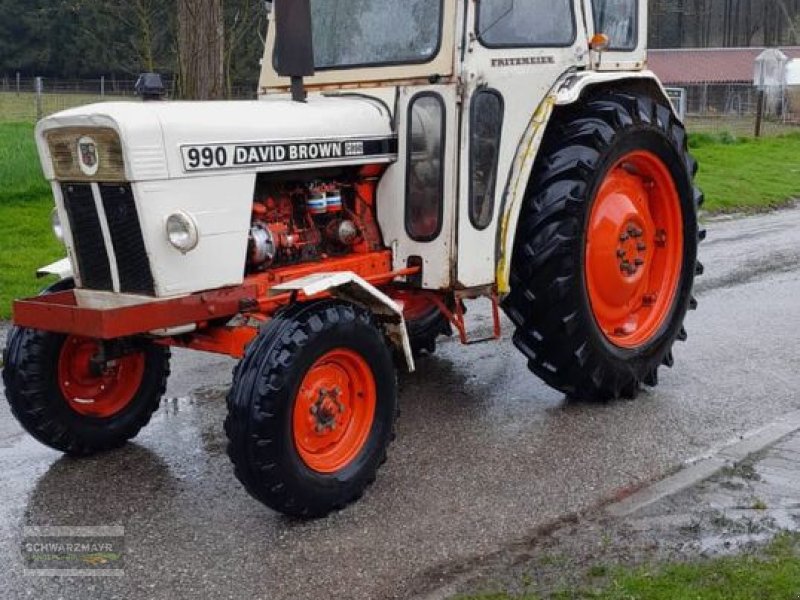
[312, 408]
[606, 251]
[70, 400]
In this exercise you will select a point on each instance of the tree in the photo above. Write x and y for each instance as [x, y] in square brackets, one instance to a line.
[705, 23]
[136, 35]
[245, 21]
[201, 49]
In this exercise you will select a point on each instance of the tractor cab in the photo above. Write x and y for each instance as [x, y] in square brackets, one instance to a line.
[462, 84]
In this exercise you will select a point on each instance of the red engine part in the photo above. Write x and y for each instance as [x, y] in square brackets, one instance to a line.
[282, 232]
[273, 209]
[303, 222]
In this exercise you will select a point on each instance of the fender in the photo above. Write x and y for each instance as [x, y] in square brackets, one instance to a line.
[573, 86]
[568, 90]
[61, 269]
[352, 288]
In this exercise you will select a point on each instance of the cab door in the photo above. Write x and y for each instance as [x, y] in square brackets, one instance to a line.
[516, 50]
[416, 196]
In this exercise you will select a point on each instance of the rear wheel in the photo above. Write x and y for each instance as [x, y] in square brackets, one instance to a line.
[312, 408]
[606, 250]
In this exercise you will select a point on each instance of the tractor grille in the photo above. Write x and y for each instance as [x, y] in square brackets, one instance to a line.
[94, 264]
[133, 265]
[87, 236]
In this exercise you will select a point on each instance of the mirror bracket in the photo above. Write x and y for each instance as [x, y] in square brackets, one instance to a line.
[299, 93]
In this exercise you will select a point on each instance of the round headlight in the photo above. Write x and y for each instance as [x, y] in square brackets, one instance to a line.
[58, 229]
[182, 232]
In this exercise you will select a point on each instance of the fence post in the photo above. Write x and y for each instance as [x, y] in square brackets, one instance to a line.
[759, 112]
[103, 86]
[39, 104]
[705, 100]
[18, 78]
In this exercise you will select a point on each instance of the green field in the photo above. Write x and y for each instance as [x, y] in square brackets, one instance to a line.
[736, 174]
[26, 242]
[745, 174]
[20, 170]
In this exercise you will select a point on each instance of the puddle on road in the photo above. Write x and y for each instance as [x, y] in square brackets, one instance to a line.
[199, 398]
[738, 511]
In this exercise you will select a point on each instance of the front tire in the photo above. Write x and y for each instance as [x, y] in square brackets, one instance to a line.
[606, 251]
[57, 397]
[312, 408]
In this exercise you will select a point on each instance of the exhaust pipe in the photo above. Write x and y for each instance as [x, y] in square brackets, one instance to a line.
[294, 44]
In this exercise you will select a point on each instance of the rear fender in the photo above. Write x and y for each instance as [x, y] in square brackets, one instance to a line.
[570, 89]
[577, 86]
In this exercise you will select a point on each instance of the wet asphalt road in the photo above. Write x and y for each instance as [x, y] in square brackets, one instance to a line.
[485, 453]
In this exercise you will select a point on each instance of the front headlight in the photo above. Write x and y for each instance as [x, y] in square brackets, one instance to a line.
[58, 229]
[182, 232]
[86, 154]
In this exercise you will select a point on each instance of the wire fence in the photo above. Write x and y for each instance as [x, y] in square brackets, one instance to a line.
[28, 100]
[739, 109]
[708, 108]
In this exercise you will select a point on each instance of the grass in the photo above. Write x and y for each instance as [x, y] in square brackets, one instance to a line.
[20, 170]
[25, 245]
[737, 174]
[745, 174]
[26, 242]
[771, 575]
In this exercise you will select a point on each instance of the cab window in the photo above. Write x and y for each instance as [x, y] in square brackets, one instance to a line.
[487, 126]
[425, 177]
[618, 19]
[526, 23]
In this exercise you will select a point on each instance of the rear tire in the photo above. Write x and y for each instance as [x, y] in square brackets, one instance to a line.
[576, 341]
[312, 408]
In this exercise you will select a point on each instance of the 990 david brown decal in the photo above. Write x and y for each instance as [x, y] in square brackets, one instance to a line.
[237, 156]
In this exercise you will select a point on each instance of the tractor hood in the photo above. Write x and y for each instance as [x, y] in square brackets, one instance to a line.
[170, 140]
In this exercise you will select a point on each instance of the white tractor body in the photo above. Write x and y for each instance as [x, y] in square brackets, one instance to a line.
[417, 155]
[202, 159]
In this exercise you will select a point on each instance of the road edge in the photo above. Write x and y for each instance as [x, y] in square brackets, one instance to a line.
[690, 472]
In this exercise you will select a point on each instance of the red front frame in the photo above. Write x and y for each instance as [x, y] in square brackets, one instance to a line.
[60, 312]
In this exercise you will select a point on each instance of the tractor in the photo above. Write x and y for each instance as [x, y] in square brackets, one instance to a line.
[402, 159]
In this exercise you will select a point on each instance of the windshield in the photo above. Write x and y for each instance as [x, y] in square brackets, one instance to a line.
[362, 33]
[529, 23]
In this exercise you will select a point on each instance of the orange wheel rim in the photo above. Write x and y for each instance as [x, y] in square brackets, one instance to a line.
[334, 411]
[634, 249]
[93, 394]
